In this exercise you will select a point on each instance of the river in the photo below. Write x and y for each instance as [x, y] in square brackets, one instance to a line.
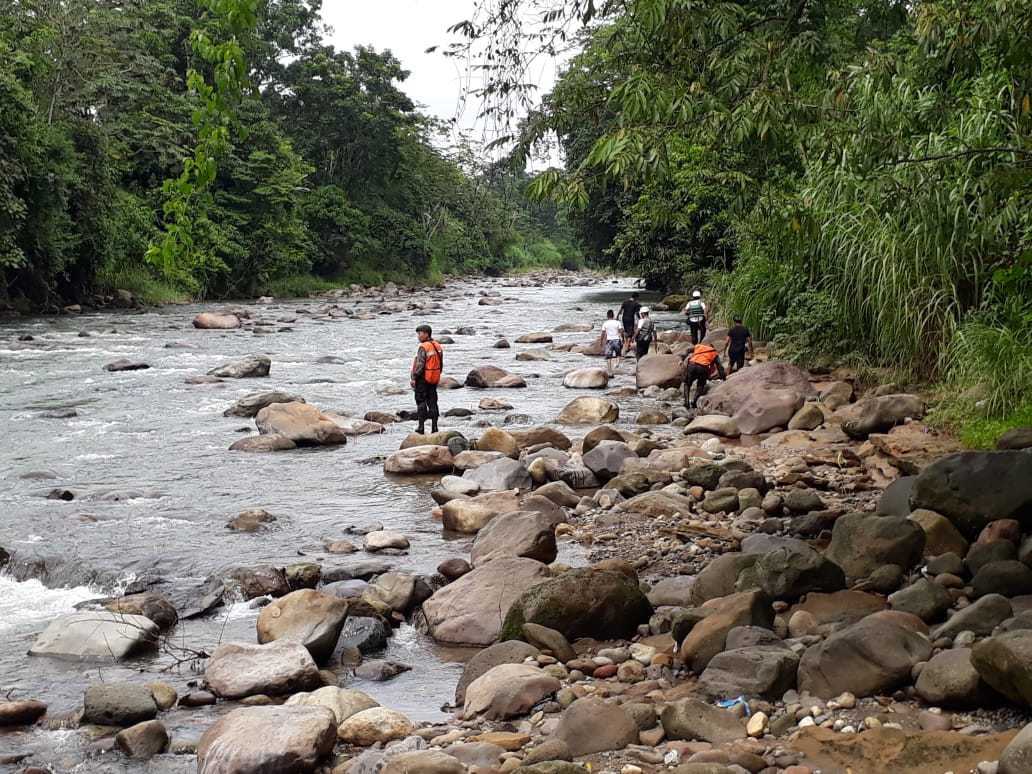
[145, 460]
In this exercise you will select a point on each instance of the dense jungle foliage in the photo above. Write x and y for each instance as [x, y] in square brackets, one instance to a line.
[217, 148]
[854, 176]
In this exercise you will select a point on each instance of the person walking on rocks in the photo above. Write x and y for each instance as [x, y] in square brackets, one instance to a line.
[645, 335]
[612, 338]
[426, 375]
[701, 362]
[698, 316]
[630, 311]
[739, 342]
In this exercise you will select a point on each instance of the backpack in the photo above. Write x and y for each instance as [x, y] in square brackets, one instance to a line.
[646, 331]
[696, 310]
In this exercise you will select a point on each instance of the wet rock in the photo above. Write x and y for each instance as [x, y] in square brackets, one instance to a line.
[306, 616]
[507, 690]
[250, 405]
[216, 321]
[417, 460]
[469, 611]
[592, 725]
[118, 704]
[870, 657]
[21, 713]
[861, 543]
[454, 568]
[250, 367]
[96, 635]
[586, 379]
[263, 443]
[380, 671]
[261, 580]
[254, 739]
[518, 534]
[573, 327]
[153, 606]
[497, 440]
[302, 423]
[401, 591]
[238, 669]
[533, 355]
[380, 417]
[501, 344]
[367, 633]
[588, 411]
[492, 377]
[352, 426]
[535, 338]
[143, 740]
[383, 540]
[472, 515]
[581, 603]
[955, 486]
[124, 364]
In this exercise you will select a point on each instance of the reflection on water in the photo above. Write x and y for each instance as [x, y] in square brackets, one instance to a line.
[152, 485]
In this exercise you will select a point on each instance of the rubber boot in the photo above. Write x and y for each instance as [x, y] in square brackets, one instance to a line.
[421, 429]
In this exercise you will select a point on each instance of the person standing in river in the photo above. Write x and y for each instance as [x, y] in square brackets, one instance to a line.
[630, 311]
[698, 315]
[426, 375]
[645, 335]
[612, 338]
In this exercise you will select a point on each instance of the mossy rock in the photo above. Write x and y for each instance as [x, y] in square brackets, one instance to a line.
[581, 603]
[675, 301]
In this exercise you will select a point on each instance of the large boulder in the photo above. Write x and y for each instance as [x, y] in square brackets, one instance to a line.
[658, 503]
[763, 671]
[790, 572]
[581, 603]
[870, 657]
[696, 720]
[252, 366]
[374, 725]
[766, 408]
[950, 680]
[468, 612]
[490, 376]
[343, 702]
[419, 459]
[535, 338]
[118, 704]
[508, 690]
[586, 379]
[302, 423]
[96, 635]
[216, 321]
[708, 637]
[728, 396]
[863, 542]
[974, 488]
[307, 616]
[400, 591]
[592, 725]
[525, 534]
[881, 413]
[505, 652]
[238, 669]
[254, 740]
[717, 424]
[500, 474]
[588, 411]
[659, 371]
[250, 405]
[472, 515]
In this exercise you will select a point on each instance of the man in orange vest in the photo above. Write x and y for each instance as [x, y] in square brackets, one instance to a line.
[426, 375]
[700, 364]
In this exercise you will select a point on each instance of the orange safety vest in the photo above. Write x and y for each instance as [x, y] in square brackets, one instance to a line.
[432, 369]
[704, 355]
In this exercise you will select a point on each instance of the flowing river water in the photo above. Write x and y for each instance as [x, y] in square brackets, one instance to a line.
[145, 458]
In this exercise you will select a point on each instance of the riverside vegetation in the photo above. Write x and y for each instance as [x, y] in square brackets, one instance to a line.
[794, 578]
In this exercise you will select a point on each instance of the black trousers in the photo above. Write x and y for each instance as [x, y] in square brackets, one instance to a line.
[426, 401]
[698, 330]
[695, 373]
[642, 347]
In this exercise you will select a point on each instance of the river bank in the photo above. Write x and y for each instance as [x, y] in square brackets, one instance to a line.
[675, 500]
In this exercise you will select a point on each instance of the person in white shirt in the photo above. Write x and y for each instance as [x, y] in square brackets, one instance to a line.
[613, 339]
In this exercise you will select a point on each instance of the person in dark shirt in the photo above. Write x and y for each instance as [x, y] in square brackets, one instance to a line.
[739, 341]
[629, 313]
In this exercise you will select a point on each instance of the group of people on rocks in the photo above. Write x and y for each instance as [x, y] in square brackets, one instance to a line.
[635, 327]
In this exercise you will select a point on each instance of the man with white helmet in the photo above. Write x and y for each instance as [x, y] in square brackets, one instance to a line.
[698, 315]
[645, 334]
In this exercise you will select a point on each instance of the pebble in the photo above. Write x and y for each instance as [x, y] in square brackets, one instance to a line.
[756, 725]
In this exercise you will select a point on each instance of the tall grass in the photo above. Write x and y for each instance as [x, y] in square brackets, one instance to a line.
[142, 282]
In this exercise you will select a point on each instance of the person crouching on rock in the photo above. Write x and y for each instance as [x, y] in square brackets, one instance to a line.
[426, 375]
[701, 362]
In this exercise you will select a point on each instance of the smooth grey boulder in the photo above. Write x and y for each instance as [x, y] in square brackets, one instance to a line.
[250, 405]
[1005, 662]
[862, 543]
[508, 690]
[118, 704]
[97, 635]
[401, 591]
[981, 617]
[250, 367]
[881, 413]
[238, 669]
[505, 652]
[760, 671]
[605, 459]
[309, 617]
[693, 720]
[504, 473]
[526, 534]
[788, 573]
[592, 725]
[951, 681]
[927, 600]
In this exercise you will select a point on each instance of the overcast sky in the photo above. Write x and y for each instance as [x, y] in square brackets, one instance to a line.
[408, 28]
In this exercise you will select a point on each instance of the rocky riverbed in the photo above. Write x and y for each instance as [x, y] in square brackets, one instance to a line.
[793, 578]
